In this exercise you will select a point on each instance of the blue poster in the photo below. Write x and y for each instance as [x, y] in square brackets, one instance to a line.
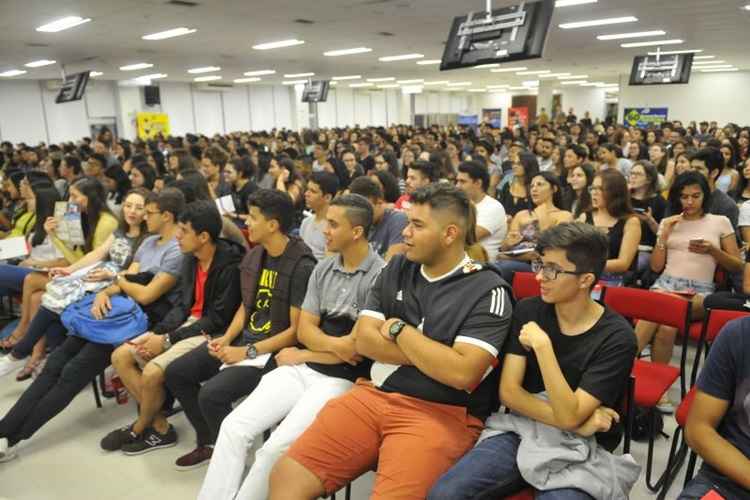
[471, 120]
[644, 117]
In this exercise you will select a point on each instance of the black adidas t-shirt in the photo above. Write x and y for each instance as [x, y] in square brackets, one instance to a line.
[598, 360]
[434, 306]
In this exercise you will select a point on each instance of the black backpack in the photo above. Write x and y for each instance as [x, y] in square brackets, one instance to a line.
[641, 431]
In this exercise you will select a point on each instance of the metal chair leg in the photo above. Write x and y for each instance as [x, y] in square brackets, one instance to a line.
[97, 397]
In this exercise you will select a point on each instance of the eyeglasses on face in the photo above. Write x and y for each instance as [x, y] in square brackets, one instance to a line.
[550, 272]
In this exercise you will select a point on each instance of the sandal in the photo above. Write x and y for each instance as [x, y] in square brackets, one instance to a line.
[7, 344]
[28, 370]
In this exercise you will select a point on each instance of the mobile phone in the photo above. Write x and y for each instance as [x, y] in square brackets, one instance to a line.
[696, 241]
[640, 210]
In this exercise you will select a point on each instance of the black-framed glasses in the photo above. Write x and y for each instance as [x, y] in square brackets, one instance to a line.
[550, 272]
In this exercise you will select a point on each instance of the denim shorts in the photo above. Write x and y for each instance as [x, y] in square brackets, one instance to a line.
[668, 283]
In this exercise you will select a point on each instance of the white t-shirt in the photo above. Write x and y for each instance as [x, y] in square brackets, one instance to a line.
[491, 216]
[744, 219]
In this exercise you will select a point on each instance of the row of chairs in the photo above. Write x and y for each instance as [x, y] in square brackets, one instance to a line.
[653, 380]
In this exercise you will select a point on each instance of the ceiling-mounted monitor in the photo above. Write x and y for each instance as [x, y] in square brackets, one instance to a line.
[73, 87]
[316, 91]
[507, 34]
[661, 69]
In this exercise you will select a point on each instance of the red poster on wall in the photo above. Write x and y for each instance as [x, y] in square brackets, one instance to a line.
[518, 117]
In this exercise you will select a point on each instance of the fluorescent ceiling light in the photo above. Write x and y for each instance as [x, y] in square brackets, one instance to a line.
[205, 69]
[278, 45]
[598, 22]
[504, 86]
[508, 70]
[12, 72]
[402, 57]
[388, 79]
[163, 35]
[653, 43]
[334, 83]
[63, 24]
[518, 88]
[573, 82]
[718, 66]
[747, 7]
[438, 82]
[350, 77]
[570, 3]
[637, 34]
[429, 61]
[477, 90]
[592, 84]
[360, 85]
[389, 86]
[530, 83]
[294, 82]
[553, 75]
[706, 63]
[246, 80]
[407, 82]
[672, 52]
[95, 74]
[260, 72]
[459, 84]
[718, 70]
[572, 77]
[607, 85]
[133, 67]
[695, 58]
[486, 66]
[208, 78]
[298, 75]
[346, 52]
[39, 63]
[540, 72]
[154, 76]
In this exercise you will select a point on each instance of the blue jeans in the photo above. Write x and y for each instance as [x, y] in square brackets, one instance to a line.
[702, 483]
[11, 278]
[508, 268]
[489, 471]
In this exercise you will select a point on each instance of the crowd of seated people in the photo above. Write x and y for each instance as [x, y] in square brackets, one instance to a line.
[349, 290]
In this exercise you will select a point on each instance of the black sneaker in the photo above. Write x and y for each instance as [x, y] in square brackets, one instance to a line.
[151, 440]
[118, 438]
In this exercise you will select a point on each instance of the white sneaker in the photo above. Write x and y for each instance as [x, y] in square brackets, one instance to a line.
[7, 452]
[9, 364]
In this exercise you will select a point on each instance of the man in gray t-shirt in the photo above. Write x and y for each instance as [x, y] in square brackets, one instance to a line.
[386, 236]
[157, 257]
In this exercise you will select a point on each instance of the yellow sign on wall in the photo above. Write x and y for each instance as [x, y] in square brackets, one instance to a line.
[152, 124]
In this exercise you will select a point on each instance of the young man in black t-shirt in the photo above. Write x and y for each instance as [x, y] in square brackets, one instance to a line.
[565, 345]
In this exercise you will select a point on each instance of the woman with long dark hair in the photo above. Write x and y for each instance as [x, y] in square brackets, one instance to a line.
[516, 194]
[729, 177]
[117, 184]
[579, 181]
[648, 205]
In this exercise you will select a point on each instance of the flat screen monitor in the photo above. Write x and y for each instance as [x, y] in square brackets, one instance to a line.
[73, 87]
[512, 33]
[316, 91]
[661, 69]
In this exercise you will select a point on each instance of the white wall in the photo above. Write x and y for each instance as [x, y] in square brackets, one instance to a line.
[583, 99]
[723, 97]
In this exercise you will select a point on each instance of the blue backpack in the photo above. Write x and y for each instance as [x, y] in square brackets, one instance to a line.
[124, 321]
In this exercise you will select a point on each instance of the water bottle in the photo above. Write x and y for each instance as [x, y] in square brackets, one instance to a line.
[121, 393]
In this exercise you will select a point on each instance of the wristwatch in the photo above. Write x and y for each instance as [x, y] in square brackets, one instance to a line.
[395, 330]
[167, 342]
[252, 352]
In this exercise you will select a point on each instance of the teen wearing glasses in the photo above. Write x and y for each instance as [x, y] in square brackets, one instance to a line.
[575, 350]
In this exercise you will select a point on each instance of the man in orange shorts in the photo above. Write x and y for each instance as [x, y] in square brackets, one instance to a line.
[434, 323]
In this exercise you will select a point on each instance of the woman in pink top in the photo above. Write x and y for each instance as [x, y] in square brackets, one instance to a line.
[689, 247]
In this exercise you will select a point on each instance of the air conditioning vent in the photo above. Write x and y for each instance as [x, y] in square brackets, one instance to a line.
[183, 3]
[304, 21]
[213, 87]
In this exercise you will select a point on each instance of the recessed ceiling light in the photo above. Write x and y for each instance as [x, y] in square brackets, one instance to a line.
[695, 58]
[459, 84]
[409, 82]
[39, 63]
[573, 82]
[707, 63]
[359, 85]
[746, 7]
[350, 77]
[402, 57]
[133, 67]
[653, 43]
[429, 61]
[572, 77]
[376, 80]
[208, 78]
[278, 45]
[536, 72]
[599, 22]
[570, 3]
[246, 80]
[260, 72]
[163, 35]
[94, 74]
[672, 52]
[508, 70]
[389, 86]
[12, 72]
[63, 24]
[438, 82]
[298, 75]
[346, 52]
[205, 69]
[637, 34]
[294, 82]
[718, 70]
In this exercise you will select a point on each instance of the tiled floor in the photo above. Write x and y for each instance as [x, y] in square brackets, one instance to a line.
[64, 462]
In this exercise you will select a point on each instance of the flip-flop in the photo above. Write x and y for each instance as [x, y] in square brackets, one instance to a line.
[6, 345]
[28, 370]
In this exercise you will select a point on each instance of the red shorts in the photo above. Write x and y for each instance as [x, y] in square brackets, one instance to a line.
[410, 441]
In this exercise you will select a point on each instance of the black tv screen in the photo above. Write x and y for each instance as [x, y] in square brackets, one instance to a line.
[512, 33]
[316, 91]
[73, 87]
[661, 70]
